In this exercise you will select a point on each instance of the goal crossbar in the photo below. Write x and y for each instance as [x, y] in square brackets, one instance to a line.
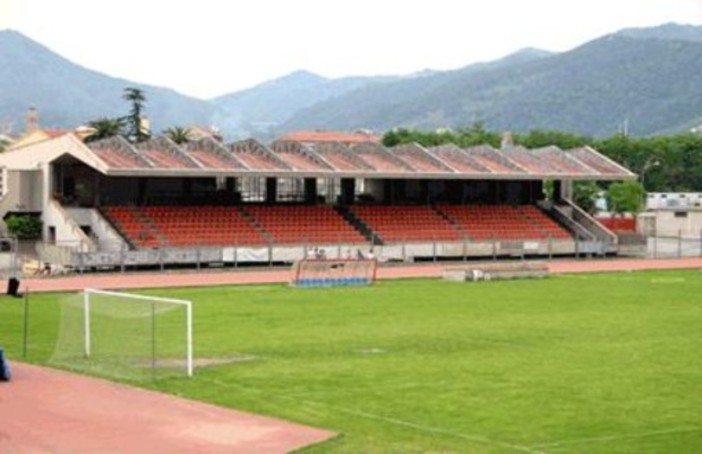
[153, 299]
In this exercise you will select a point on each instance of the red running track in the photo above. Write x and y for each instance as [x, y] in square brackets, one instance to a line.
[78, 282]
[49, 411]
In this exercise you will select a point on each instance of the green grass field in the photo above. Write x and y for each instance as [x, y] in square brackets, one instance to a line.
[569, 364]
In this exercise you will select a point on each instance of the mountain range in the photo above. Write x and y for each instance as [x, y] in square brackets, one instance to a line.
[647, 80]
[67, 95]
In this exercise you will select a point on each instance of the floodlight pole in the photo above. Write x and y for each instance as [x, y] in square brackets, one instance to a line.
[650, 162]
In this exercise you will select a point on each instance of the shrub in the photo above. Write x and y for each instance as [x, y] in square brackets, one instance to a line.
[24, 226]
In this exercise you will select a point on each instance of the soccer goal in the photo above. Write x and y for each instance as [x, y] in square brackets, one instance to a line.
[125, 335]
[333, 273]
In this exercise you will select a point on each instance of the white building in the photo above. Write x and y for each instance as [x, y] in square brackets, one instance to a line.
[672, 214]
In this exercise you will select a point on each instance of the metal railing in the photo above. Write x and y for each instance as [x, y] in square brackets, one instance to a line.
[117, 256]
[600, 232]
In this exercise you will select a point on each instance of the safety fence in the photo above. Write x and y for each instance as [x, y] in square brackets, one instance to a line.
[78, 257]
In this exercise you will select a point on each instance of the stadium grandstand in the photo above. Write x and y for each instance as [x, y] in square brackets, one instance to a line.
[113, 203]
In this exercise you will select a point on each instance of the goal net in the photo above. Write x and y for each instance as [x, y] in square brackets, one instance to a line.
[126, 336]
[333, 273]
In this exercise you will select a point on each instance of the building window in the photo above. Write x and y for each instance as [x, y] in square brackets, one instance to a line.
[680, 214]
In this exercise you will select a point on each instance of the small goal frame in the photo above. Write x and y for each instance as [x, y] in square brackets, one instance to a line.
[188, 317]
[330, 272]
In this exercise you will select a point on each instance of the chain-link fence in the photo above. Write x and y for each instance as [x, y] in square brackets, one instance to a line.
[659, 246]
[674, 247]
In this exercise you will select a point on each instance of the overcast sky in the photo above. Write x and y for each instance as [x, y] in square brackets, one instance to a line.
[212, 47]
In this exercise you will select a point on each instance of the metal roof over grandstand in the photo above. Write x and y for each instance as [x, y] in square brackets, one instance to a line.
[207, 157]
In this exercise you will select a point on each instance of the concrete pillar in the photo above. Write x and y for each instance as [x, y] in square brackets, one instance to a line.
[566, 189]
[557, 190]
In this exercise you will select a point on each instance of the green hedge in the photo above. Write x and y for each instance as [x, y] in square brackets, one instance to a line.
[24, 226]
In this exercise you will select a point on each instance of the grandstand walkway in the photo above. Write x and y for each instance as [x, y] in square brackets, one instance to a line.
[181, 278]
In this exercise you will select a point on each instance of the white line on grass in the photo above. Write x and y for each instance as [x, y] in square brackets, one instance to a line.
[667, 280]
[653, 433]
[398, 422]
[608, 275]
[438, 430]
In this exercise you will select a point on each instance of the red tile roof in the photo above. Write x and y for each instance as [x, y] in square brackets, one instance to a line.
[331, 136]
[54, 133]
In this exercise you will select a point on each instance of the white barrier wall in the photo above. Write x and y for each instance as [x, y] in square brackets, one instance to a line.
[66, 229]
[674, 223]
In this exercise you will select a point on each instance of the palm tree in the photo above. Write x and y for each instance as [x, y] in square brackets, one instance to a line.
[135, 132]
[104, 128]
[178, 134]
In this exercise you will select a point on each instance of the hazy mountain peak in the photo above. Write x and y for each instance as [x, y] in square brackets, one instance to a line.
[15, 43]
[297, 79]
[669, 31]
[531, 52]
[422, 73]
[8, 34]
[524, 54]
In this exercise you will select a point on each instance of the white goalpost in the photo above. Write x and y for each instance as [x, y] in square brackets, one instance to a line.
[125, 335]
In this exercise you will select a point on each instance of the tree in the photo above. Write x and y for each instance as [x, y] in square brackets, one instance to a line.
[585, 195]
[178, 134]
[135, 131]
[104, 128]
[680, 158]
[3, 145]
[538, 138]
[477, 134]
[548, 189]
[394, 137]
[625, 197]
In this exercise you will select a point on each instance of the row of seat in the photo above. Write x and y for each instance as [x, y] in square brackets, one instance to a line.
[257, 224]
[406, 223]
[303, 224]
[503, 221]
